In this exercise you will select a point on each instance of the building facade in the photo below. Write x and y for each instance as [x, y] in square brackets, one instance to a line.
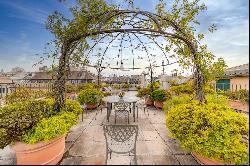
[235, 78]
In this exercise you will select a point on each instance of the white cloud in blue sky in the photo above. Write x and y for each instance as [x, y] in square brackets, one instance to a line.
[23, 34]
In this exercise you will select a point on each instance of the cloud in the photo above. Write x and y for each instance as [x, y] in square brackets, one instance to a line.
[28, 13]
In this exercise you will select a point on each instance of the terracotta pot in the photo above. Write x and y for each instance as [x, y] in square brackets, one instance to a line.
[91, 106]
[158, 104]
[41, 153]
[149, 102]
[205, 160]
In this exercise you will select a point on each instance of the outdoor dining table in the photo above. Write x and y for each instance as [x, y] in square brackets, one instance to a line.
[114, 99]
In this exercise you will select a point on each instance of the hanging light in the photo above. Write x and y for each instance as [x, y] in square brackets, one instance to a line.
[122, 67]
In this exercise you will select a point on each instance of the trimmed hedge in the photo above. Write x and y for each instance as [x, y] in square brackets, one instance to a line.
[213, 130]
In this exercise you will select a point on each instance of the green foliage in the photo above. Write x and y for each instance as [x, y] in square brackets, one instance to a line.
[242, 95]
[176, 100]
[143, 92]
[73, 106]
[125, 86]
[49, 128]
[69, 88]
[160, 95]
[16, 118]
[213, 130]
[83, 86]
[23, 94]
[116, 86]
[106, 94]
[89, 96]
[183, 88]
[209, 89]
[155, 85]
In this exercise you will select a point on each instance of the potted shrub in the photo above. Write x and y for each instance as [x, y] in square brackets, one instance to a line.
[89, 97]
[145, 93]
[213, 132]
[159, 96]
[38, 136]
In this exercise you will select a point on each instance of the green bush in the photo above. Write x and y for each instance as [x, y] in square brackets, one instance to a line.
[209, 89]
[106, 94]
[176, 100]
[23, 94]
[49, 128]
[116, 86]
[73, 106]
[16, 118]
[125, 86]
[160, 95]
[89, 96]
[213, 130]
[142, 92]
[183, 88]
[83, 86]
[242, 95]
[69, 88]
[155, 85]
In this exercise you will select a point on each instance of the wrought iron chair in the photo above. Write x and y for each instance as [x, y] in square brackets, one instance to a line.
[121, 139]
[121, 108]
[142, 104]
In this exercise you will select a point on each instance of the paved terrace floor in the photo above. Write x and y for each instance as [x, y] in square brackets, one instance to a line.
[85, 143]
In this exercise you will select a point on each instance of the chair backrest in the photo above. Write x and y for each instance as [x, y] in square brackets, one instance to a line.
[121, 138]
[121, 105]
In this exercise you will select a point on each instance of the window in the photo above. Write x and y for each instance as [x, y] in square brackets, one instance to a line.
[3, 89]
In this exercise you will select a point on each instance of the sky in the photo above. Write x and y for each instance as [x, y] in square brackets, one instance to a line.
[23, 34]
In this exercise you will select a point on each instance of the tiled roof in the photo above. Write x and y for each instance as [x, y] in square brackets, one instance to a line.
[74, 75]
[5, 80]
[241, 70]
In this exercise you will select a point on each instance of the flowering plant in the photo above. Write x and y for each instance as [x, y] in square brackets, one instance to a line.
[121, 94]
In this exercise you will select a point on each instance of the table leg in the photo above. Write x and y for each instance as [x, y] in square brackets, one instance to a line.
[134, 111]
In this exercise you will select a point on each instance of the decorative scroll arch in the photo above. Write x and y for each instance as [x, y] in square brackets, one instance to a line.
[68, 46]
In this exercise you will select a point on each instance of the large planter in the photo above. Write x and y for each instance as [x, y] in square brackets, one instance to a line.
[158, 104]
[91, 106]
[149, 101]
[205, 160]
[42, 153]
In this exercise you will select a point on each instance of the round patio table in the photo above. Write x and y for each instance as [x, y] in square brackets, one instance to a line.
[114, 99]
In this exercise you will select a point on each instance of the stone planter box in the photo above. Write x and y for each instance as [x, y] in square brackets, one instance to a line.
[41, 153]
[149, 102]
[158, 104]
[205, 160]
[91, 106]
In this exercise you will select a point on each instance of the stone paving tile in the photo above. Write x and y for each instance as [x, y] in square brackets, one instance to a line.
[84, 161]
[165, 160]
[154, 144]
[151, 136]
[72, 136]
[186, 160]
[157, 148]
[176, 148]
